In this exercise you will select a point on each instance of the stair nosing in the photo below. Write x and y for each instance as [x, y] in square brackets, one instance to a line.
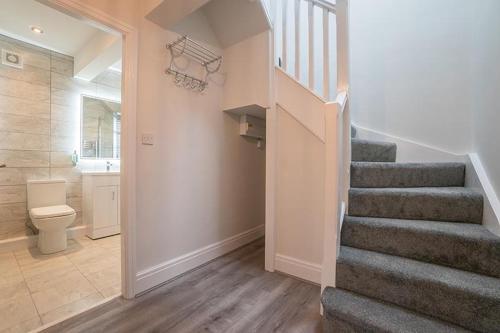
[433, 278]
[330, 310]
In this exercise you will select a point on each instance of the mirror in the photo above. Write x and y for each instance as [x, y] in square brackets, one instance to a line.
[100, 128]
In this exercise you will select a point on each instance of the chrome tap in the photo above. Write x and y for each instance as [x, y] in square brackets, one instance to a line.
[108, 165]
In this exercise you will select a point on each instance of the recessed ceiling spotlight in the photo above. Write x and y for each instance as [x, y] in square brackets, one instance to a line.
[36, 30]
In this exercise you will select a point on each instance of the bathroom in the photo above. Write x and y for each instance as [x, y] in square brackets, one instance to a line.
[60, 91]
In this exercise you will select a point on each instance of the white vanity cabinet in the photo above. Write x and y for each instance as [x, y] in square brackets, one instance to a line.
[101, 203]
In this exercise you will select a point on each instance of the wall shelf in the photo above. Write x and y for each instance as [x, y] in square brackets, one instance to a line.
[185, 46]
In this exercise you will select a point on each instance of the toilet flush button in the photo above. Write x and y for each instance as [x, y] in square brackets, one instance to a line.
[148, 139]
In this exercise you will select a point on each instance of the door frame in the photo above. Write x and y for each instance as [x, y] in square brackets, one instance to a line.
[128, 215]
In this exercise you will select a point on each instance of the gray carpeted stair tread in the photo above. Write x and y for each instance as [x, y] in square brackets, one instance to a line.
[370, 174]
[452, 204]
[464, 246]
[467, 299]
[356, 313]
[373, 151]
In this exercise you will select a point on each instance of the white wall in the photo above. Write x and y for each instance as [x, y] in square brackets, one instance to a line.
[201, 182]
[428, 72]
[410, 70]
[486, 86]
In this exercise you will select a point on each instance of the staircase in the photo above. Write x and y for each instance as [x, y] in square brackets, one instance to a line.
[414, 256]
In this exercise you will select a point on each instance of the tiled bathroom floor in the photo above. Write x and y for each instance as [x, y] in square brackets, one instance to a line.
[36, 289]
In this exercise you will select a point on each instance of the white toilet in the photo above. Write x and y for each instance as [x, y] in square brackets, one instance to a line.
[49, 213]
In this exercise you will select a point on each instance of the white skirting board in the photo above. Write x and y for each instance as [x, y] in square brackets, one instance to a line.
[159, 274]
[299, 268]
[25, 242]
[408, 150]
[477, 179]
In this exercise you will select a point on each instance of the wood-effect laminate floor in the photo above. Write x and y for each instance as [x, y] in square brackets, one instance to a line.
[230, 294]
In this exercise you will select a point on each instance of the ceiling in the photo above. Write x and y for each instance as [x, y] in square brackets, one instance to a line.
[229, 21]
[62, 33]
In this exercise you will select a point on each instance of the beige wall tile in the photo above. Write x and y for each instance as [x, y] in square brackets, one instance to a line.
[19, 176]
[65, 129]
[64, 143]
[73, 190]
[13, 211]
[12, 194]
[25, 90]
[14, 229]
[62, 66]
[65, 113]
[75, 203]
[63, 82]
[40, 109]
[20, 159]
[24, 141]
[32, 55]
[61, 159]
[27, 73]
[23, 107]
[78, 220]
[24, 124]
[71, 175]
[65, 98]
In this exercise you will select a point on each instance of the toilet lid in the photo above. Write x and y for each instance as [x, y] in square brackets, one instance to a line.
[51, 211]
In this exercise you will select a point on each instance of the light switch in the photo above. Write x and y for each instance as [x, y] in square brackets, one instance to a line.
[148, 139]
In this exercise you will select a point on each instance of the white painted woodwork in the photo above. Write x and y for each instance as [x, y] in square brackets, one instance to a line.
[302, 103]
[337, 164]
[101, 204]
[298, 22]
[310, 25]
[246, 70]
[284, 40]
[305, 45]
[326, 55]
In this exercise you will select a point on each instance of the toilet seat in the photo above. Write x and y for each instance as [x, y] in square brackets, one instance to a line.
[51, 211]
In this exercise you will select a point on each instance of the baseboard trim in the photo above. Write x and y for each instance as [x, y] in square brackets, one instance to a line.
[477, 179]
[409, 150]
[299, 268]
[159, 274]
[26, 242]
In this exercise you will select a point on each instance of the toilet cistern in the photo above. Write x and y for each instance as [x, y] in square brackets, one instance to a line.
[49, 213]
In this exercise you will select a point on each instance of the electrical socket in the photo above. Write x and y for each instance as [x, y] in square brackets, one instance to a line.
[148, 139]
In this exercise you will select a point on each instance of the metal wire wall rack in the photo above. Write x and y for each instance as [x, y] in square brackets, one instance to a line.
[185, 46]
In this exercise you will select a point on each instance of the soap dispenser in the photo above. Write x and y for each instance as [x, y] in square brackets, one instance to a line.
[74, 158]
